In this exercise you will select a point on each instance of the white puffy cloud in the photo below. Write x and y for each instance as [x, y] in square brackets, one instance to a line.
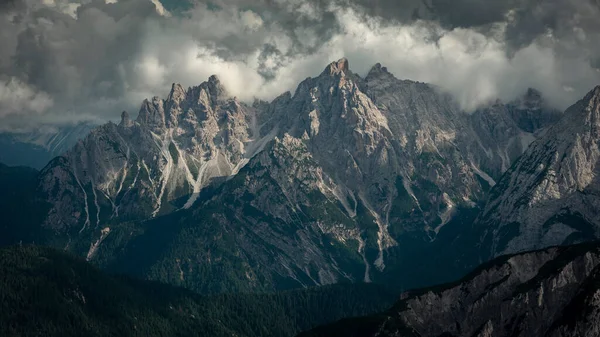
[17, 97]
[470, 65]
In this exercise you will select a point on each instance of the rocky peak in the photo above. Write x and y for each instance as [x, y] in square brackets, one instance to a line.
[209, 93]
[378, 71]
[584, 116]
[533, 95]
[152, 113]
[125, 120]
[177, 93]
[216, 89]
[340, 67]
[549, 196]
[531, 112]
[592, 111]
[593, 98]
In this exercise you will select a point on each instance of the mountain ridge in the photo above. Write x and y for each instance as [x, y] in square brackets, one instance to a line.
[534, 293]
[550, 190]
[345, 168]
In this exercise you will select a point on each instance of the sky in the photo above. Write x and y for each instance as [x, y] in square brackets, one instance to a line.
[64, 61]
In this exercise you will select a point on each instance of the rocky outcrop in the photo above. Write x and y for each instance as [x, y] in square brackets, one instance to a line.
[505, 131]
[137, 169]
[551, 292]
[550, 195]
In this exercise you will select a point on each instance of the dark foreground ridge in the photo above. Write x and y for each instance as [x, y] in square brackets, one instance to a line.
[552, 292]
[44, 292]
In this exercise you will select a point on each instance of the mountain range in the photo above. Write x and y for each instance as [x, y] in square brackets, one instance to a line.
[372, 179]
[35, 148]
[349, 179]
[550, 195]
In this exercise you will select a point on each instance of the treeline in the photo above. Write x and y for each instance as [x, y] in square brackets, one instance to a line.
[44, 292]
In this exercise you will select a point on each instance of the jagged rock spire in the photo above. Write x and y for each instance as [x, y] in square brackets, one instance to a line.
[215, 88]
[152, 113]
[593, 111]
[339, 67]
[177, 93]
[378, 71]
[125, 120]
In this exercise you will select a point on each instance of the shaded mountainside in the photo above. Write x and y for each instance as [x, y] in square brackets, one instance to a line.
[550, 196]
[552, 292]
[22, 211]
[49, 293]
[36, 148]
[347, 179]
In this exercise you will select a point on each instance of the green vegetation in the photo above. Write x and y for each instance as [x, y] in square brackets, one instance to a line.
[418, 261]
[19, 205]
[44, 292]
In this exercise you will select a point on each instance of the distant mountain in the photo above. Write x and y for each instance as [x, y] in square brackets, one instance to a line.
[506, 130]
[47, 292]
[348, 179]
[551, 292]
[36, 148]
[551, 195]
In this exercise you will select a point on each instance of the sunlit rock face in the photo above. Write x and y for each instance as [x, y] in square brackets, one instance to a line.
[327, 181]
[550, 195]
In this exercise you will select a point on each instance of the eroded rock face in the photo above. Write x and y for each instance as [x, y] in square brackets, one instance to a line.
[325, 181]
[550, 195]
[544, 293]
[136, 169]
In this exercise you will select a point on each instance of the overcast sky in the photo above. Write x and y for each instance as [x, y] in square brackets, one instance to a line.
[71, 60]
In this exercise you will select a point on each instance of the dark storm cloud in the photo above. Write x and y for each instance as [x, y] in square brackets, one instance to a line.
[79, 59]
[573, 25]
[4, 4]
[574, 22]
[74, 61]
[289, 18]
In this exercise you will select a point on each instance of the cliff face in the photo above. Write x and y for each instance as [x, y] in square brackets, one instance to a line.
[343, 180]
[550, 195]
[551, 292]
[136, 169]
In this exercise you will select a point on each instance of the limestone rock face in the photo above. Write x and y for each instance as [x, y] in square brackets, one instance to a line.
[552, 292]
[327, 181]
[550, 195]
[136, 169]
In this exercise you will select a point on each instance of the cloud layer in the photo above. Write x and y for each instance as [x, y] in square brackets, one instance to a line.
[71, 60]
